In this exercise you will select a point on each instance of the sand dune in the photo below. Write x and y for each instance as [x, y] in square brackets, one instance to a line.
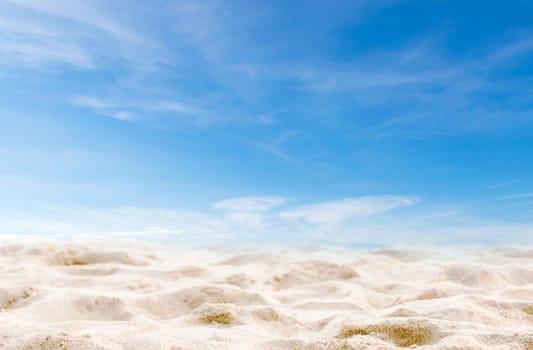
[133, 296]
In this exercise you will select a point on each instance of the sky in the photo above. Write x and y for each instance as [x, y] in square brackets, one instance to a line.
[350, 122]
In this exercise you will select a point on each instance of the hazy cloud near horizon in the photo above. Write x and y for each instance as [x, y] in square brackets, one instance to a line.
[354, 221]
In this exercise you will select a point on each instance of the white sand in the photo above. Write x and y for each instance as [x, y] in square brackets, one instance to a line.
[130, 296]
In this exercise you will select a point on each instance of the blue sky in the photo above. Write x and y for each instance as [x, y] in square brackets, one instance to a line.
[348, 121]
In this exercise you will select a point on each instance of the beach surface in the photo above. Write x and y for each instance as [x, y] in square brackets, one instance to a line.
[118, 295]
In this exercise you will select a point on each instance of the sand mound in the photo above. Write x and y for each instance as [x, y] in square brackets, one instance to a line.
[76, 257]
[52, 341]
[111, 296]
[217, 314]
[15, 297]
[403, 335]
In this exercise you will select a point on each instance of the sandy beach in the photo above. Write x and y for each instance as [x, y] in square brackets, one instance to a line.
[135, 296]
[266, 175]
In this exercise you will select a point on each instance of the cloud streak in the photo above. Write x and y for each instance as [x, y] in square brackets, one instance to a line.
[103, 107]
[123, 111]
[249, 204]
[91, 102]
[519, 196]
[80, 11]
[77, 34]
[505, 184]
[171, 106]
[333, 212]
[361, 220]
[83, 35]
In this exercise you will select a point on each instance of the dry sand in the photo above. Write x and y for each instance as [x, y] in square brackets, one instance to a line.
[130, 296]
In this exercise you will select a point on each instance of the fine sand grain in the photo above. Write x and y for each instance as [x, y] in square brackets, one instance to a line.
[109, 295]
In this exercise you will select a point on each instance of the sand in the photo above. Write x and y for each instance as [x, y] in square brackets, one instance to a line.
[109, 295]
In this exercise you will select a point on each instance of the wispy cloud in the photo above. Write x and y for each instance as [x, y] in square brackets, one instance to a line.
[512, 49]
[504, 184]
[446, 91]
[122, 115]
[210, 27]
[80, 34]
[103, 107]
[336, 211]
[249, 204]
[249, 213]
[172, 106]
[519, 196]
[28, 43]
[277, 146]
[369, 219]
[267, 118]
[84, 35]
[413, 65]
[50, 220]
[231, 217]
[124, 110]
[91, 102]
[80, 11]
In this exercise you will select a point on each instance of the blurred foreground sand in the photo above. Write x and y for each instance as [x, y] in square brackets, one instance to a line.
[134, 296]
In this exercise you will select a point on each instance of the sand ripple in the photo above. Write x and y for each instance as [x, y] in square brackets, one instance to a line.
[107, 296]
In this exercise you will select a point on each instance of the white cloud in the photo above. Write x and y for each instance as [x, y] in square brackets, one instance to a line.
[122, 115]
[80, 11]
[242, 219]
[266, 119]
[91, 102]
[33, 55]
[276, 146]
[249, 204]
[505, 184]
[78, 33]
[172, 106]
[50, 220]
[519, 196]
[335, 211]
[118, 110]
[249, 213]
[30, 43]
[513, 48]
[102, 107]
